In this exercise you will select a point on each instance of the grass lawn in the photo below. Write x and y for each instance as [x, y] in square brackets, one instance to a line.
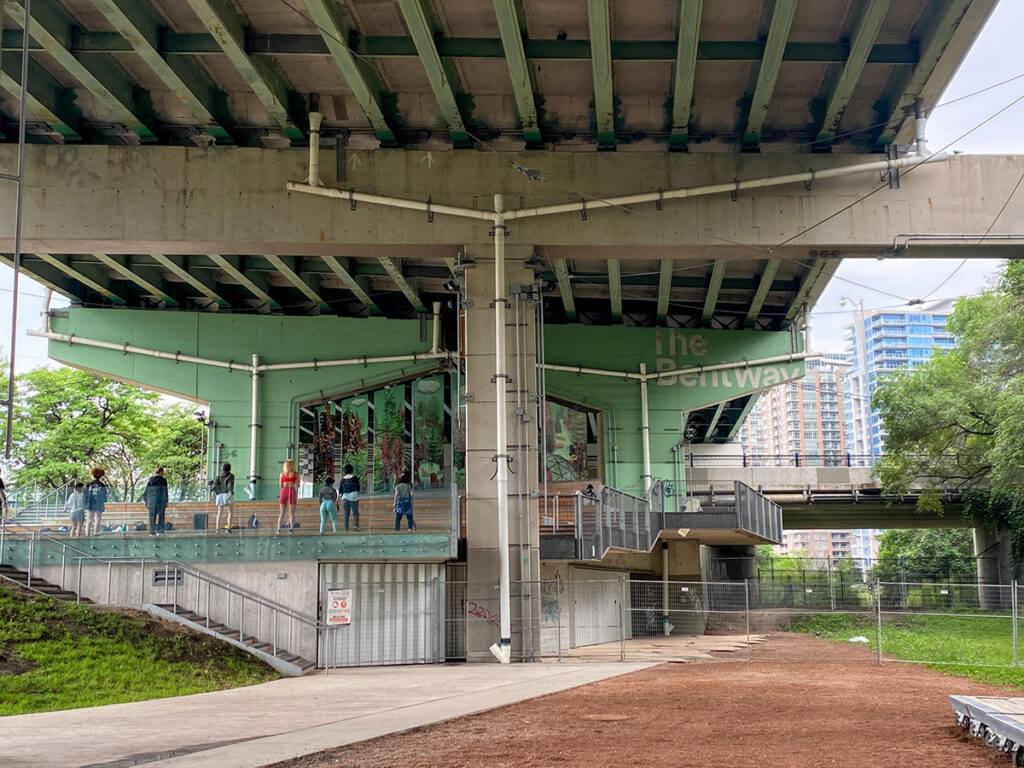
[57, 655]
[980, 648]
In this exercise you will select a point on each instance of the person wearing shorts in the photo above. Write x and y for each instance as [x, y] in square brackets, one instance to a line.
[95, 502]
[289, 495]
[75, 507]
[224, 494]
[329, 505]
[403, 500]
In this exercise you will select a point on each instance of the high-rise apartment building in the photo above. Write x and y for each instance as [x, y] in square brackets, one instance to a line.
[802, 417]
[882, 341]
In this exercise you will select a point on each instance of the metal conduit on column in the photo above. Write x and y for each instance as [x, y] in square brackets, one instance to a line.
[253, 425]
[645, 427]
[502, 651]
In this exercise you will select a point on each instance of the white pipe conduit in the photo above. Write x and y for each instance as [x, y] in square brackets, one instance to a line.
[254, 427]
[643, 376]
[645, 426]
[614, 202]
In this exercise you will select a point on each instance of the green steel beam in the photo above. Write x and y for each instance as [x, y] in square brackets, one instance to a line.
[714, 419]
[742, 415]
[615, 288]
[43, 274]
[768, 73]
[863, 40]
[260, 44]
[813, 283]
[206, 288]
[599, 21]
[764, 285]
[81, 275]
[394, 269]
[905, 89]
[47, 99]
[238, 274]
[351, 283]
[713, 289]
[565, 288]
[228, 28]
[141, 27]
[121, 265]
[293, 277]
[664, 288]
[686, 70]
[364, 81]
[441, 79]
[507, 12]
[54, 29]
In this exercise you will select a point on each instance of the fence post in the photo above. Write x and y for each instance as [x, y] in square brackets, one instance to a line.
[622, 620]
[558, 614]
[142, 581]
[1013, 608]
[831, 583]
[78, 588]
[746, 611]
[31, 558]
[110, 565]
[878, 613]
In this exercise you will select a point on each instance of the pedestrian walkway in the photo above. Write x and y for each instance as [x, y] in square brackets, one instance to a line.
[262, 724]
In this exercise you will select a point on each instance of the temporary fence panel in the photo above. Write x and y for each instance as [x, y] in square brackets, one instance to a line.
[394, 613]
[598, 609]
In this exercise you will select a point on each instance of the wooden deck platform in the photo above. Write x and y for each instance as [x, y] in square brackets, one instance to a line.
[997, 720]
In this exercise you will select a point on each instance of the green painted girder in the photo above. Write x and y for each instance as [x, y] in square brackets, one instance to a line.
[764, 285]
[344, 274]
[768, 73]
[615, 287]
[292, 276]
[442, 79]
[238, 273]
[47, 100]
[228, 28]
[742, 415]
[363, 80]
[133, 273]
[565, 288]
[686, 70]
[44, 275]
[714, 419]
[812, 284]
[260, 44]
[54, 29]
[178, 265]
[903, 89]
[599, 21]
[679, 281]
[507, 13]
[87, 275]
[863, 40]
[713, 289]
[394, 269]
[139, 25]
[664, 288]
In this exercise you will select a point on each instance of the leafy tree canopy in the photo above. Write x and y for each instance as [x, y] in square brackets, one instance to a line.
[926, 553]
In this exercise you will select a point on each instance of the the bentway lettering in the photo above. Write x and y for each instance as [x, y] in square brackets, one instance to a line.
[754, 377]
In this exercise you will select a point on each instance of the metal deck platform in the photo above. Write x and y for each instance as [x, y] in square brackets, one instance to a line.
[998, 720]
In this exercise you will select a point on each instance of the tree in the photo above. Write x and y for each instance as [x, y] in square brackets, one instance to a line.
[176, 444]
[925, 553]
[957, 421]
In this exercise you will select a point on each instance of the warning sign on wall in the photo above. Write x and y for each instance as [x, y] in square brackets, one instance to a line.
[339, 606]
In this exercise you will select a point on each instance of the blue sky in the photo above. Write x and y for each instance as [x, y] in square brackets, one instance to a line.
[996, 55]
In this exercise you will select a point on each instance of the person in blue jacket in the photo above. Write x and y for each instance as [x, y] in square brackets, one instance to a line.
[155, 496]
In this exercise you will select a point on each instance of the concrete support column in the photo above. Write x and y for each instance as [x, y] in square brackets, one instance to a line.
[992, 548]
[521, 445]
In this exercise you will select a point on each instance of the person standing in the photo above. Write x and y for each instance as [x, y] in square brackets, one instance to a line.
[289, 495]
[224, 493]
[3, 500]
[350, 495]
[403, 500]
[156, 494]
[95, 502]
[329, 505]
[75, 507]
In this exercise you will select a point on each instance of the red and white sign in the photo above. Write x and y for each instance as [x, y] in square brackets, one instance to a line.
[339, 606]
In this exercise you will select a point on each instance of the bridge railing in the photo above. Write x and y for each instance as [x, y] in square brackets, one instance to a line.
[795, 459]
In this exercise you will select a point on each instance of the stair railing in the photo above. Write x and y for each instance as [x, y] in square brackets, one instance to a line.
[266, 611]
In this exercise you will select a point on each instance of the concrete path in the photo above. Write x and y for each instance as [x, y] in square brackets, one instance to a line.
[259, 725]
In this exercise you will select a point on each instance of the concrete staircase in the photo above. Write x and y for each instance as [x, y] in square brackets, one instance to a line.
[10, 573]
[283, 660]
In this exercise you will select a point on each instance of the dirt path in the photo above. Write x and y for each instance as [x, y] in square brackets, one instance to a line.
[798, 715]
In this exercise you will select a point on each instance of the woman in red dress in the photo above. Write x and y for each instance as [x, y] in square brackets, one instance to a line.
[289, 495]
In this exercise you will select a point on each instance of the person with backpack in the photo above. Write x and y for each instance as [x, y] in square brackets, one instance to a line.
[95, 502]
[223, 487]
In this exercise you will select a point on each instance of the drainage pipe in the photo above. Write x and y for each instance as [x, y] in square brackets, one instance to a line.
[501, 457]
[315, 119]
[254, 425]
[393, 202]
[645, 427]
[643, 376]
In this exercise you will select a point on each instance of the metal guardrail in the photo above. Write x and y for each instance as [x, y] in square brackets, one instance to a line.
[795, 459]
[234, 607]
[614, 518]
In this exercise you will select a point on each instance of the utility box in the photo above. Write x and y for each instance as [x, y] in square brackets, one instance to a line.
[199, 521]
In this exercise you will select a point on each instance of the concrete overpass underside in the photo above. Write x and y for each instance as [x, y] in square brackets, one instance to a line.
[554, 240]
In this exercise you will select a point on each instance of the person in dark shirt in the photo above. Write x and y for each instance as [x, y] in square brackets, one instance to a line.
[156, 501]
[223, 488]
[95, 502]
[3, 500]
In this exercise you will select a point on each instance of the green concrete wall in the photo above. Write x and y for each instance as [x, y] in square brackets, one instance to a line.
[279, 339]
[275, 339]
[662, 349]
